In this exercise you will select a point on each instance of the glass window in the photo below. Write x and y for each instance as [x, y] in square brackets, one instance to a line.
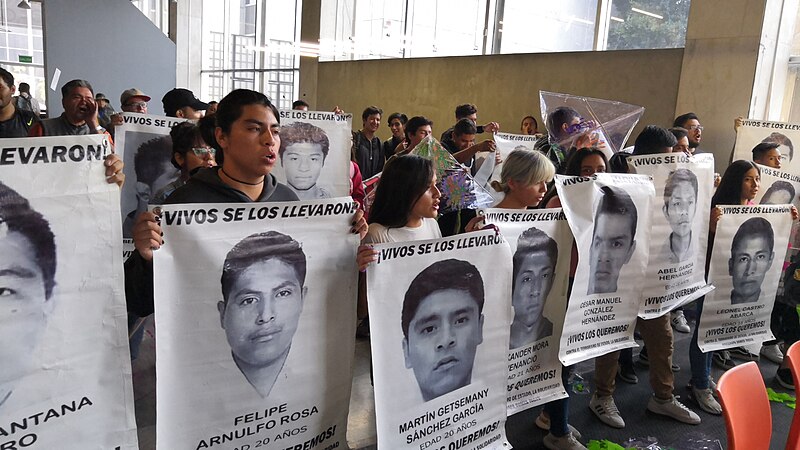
[533, 27]
[240, 50]
[21, 35]
[636, 24]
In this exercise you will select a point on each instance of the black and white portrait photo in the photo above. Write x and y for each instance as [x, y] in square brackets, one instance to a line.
[263, 287]
[303, 152]
[779, 193]
[613, 239]
[680, 206]
[751, 257]
[27, 279]
[442, 321]
[534, 267]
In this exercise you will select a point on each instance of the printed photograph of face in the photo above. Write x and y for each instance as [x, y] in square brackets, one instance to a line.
[613, 239]
[680, 206]
[534, 267]
[304, 148]
[780, 193]
[751, 257]
[152, 165]
[263, 287]
[27, 279]
[442, 323]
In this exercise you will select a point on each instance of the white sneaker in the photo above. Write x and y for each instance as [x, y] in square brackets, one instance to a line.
[772, 353]
[543, 422]
[705, 399]
[606, 410]
[566, 442]
[674, 409]
[678, 321]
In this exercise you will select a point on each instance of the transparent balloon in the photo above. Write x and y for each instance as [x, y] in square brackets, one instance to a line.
[575, 121]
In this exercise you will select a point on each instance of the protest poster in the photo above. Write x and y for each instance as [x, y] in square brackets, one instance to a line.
[746, 265]
[507, 143]
[609, 215]
[778, 187]
[65, 372]
[256, 317]
[678, 229]
[440, 312]
[754, 132]
[541, 245]
[144, 144]
[315, 153]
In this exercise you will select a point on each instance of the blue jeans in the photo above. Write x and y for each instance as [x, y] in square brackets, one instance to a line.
[700, 362]
[558, 410]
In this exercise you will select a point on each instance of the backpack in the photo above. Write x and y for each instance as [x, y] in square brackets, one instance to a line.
[23, 103]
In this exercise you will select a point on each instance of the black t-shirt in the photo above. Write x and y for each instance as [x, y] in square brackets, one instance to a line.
[18, 125]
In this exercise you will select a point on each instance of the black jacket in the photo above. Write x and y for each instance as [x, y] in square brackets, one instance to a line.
[204, 187]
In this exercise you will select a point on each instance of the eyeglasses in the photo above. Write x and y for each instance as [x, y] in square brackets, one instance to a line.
[695, 127]
[203, 151]
[140, 105]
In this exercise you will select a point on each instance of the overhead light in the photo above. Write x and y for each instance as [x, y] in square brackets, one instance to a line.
[24, 4]
[647, 13]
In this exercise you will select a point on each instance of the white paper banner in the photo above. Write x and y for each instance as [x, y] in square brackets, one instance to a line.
[315, 153]
[147, 136]
[541, 244]
[65, 373]
[609, 215]
[255, 306]
[440, 313]
[754, 132]
[679, 229]
[746, 266]
[507, 143]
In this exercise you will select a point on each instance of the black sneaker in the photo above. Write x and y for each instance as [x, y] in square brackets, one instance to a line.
[784, 378]
[743, 354]
[722, 359]
[626, 373]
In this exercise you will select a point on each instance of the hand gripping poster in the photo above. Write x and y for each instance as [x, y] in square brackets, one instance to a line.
[440, 312]
[65, 373]
[679, 229]
[746, 266]
[145, 146]
[315, 153]
[783, 135]
[255, 306]
[541, 245]
[609, 215]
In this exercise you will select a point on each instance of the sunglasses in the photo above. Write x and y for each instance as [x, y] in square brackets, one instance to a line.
[203, 151]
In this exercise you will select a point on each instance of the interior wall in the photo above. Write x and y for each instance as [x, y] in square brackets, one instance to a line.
[111, 44]
[505, 88]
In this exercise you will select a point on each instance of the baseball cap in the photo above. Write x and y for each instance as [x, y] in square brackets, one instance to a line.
[180, 98]
[132, 92]
[99, 97]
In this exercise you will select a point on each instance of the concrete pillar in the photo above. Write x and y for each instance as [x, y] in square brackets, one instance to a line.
[188, 41]
[309, 66]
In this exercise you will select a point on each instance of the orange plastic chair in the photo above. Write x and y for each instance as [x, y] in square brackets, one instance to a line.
[793, 355]
[745, 405]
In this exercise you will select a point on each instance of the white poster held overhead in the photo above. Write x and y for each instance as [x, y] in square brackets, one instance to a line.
[609, 215]
[65, 372]
[315, 153]
[778, 187]
[541, 244]
[440, 312]
[679, 229]
[754, 132]
[144, 144]
[746, 266]
[256, 316]
[507, 143]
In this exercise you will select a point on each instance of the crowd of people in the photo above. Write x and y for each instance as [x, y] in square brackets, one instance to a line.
[227, 153]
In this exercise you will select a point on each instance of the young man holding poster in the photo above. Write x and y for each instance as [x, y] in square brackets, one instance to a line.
[28, 265]
[247, 132]
[442, 324]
